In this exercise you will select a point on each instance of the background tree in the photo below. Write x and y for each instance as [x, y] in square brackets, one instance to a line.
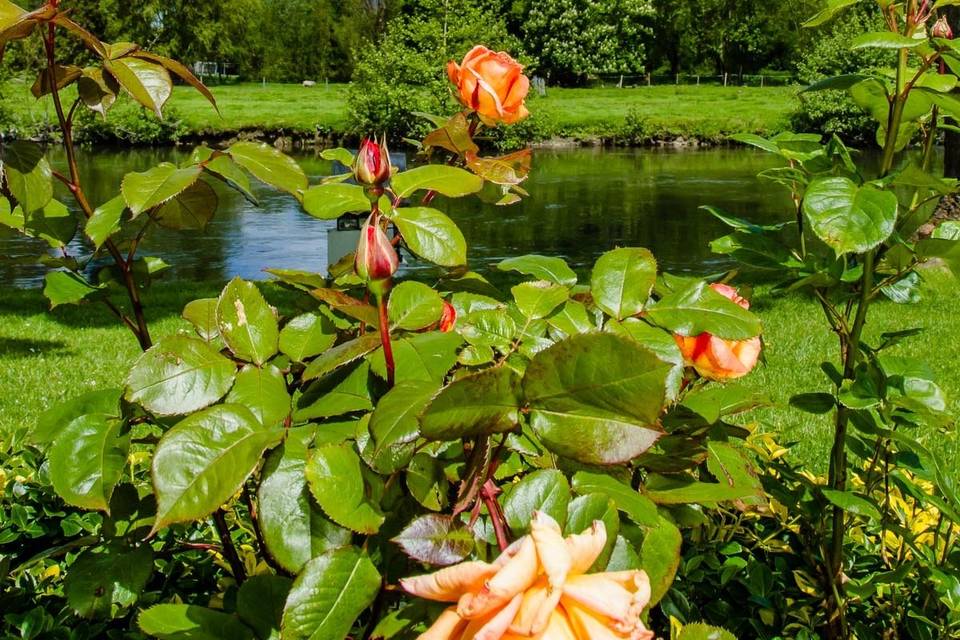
[575, 38]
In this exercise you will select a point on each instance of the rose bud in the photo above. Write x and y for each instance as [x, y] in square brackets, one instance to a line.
[376, 258]
[492, 84]
[449, 317]
[371, 167]
[718, 359]
[941, 29]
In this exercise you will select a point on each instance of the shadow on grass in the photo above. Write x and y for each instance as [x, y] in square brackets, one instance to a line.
[163, 300]
[21, 348]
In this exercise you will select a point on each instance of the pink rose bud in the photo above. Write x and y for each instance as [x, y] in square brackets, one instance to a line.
[449, 318]
[376, 258]
[942, 29]
[372, 164]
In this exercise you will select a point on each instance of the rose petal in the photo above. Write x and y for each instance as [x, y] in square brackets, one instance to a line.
[447, 627]
[447, 585]
[535, 610]
[586, 547]
[551, 549]
[516, 576]
[494, 626]
[601, 595]
[559, 628]
[588, 625]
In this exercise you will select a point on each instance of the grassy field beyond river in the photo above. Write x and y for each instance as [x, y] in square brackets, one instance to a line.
[706, 113]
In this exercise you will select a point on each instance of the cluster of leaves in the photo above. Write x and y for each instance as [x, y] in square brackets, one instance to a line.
[887, 510]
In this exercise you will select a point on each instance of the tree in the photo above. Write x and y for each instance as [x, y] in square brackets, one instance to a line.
[575, 38]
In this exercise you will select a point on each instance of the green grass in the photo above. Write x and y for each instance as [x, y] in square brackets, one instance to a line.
[46, 357]
[706, 112]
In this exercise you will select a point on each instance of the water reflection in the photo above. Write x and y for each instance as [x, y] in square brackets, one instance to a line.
[583, 202]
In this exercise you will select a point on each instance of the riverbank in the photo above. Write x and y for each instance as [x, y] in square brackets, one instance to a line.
[59, 354]
[305, 116]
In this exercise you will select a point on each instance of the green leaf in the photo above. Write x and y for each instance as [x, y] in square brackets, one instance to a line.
[423, 357]
[700, 631]
[179, 70]
[431, 235]
[260, 603]
[852, 503]
[179, 375]
[596, 397]
[146, 82]
[191, 210]
[294, 529]
[205, 459]
[341, 155]
[622, 281]
[545, 490]
[306, 336]
[144, 191]
[329, 594]
[850, 219]
[102, 578]
[224, 168]
[394, 427]
[660, 557]
[436, 540]
[66, 287]
[448, 181]
[546, 268]
[51, 423]
[699, 309]
[247, 323]
[427, 481]
[414, 306]
[736, 480]
[658, 341]
[264, 392]
[537, 300]
[341, 355]
[28, 175]
[829, 12]
[87, 460]
[337, 484]
[342, 392]
[53, 223]
[105, 221]
[885, 40]
[202, 314]
[269, 165]
[97, 90]
[330, 201]
[636, 506]
[488, 328]
[571, 319]
[480, 404]
[190, 622]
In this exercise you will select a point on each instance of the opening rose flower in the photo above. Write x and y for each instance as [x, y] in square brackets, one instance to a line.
[718, 359]
[492, 84]
[538, 588]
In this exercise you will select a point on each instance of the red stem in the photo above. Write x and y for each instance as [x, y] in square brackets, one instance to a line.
[488, 493]
[385, 339]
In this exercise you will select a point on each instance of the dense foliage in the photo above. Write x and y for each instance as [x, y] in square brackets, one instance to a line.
[558, 460]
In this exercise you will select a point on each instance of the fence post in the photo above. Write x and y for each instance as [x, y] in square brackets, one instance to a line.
[649, 79]
[678, 79]
[724, 79]
[698, 79]
[761, 82]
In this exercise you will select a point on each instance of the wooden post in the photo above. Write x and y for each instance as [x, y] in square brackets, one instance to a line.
[678, 79]
[725, 79]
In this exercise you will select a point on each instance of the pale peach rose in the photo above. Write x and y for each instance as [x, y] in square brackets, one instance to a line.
[538, 588]
[718, 359]
[492, 84]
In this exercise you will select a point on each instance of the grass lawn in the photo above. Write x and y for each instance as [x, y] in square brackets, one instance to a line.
[46, 357]
[707, 112]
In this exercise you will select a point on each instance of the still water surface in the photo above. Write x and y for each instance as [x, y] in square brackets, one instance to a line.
[582, 202]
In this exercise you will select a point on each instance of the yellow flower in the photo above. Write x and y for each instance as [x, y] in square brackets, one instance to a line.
[538, 588]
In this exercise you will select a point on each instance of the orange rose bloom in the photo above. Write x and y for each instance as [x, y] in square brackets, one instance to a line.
[718, 359]
[492, 84]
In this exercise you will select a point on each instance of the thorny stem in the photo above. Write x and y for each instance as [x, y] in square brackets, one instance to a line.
[385, 339]
[229, 549]
[488, 494]
[142, 331]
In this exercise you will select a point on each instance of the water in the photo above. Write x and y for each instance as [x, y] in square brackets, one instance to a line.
[583, 202]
